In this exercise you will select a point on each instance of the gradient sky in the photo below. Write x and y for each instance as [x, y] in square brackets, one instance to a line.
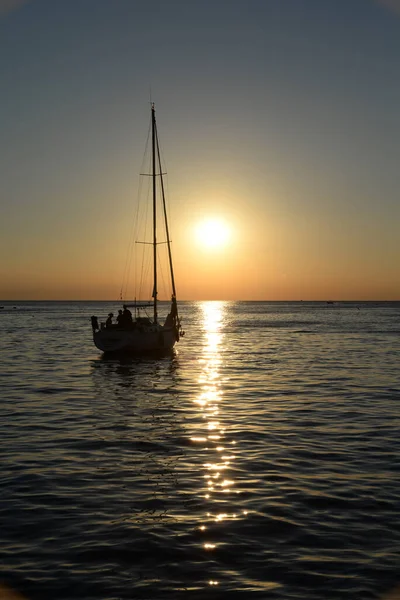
[281, 117]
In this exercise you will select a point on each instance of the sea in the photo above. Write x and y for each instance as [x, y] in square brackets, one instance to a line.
[260, 459]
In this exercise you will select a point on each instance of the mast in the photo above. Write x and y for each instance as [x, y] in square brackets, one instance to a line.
[153, 149]
[171, 268]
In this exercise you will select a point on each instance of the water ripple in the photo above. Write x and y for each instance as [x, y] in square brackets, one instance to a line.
[261, 459]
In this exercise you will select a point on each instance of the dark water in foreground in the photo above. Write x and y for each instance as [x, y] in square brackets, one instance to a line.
[261, 460]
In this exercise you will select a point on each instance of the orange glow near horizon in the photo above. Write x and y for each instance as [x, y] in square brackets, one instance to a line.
[235, 256]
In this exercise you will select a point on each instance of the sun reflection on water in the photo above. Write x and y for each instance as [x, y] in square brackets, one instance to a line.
[213, 438]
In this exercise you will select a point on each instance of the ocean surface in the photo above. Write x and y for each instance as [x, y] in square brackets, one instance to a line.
[260, 460]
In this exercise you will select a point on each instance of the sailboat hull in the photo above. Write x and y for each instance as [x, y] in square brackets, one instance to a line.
[148, 340]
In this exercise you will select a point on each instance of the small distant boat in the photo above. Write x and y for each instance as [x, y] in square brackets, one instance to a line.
[330, 302]
[140, 333]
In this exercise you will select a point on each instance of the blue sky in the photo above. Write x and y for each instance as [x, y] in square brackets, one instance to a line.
[280, 115]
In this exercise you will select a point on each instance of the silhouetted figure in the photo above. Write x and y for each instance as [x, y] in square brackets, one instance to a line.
[120, 318]
[169, 321]
[127, 316]
[95, 323]
[109, 320]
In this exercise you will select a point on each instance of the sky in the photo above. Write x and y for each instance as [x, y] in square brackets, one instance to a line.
[278, 118]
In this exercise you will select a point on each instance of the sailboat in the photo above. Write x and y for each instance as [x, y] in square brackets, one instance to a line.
[141, 333]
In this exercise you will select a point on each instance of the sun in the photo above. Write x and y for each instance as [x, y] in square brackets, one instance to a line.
[213, 233]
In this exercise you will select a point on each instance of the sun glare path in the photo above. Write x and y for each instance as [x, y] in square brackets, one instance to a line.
[218, 487]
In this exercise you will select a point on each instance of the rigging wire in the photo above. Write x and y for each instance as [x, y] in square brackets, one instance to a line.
[164, 169]
[143, 255]
[139, 230]
[161, 271]
[134, 227]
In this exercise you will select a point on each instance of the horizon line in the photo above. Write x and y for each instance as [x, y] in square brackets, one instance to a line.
[198, 300]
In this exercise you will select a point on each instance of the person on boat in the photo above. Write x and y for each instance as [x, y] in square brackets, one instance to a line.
[169, 321]
[127, 316]
[95, 323]
[109, 320]
[120, 318]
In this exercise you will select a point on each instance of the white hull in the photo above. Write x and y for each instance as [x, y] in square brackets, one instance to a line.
[155, 338]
